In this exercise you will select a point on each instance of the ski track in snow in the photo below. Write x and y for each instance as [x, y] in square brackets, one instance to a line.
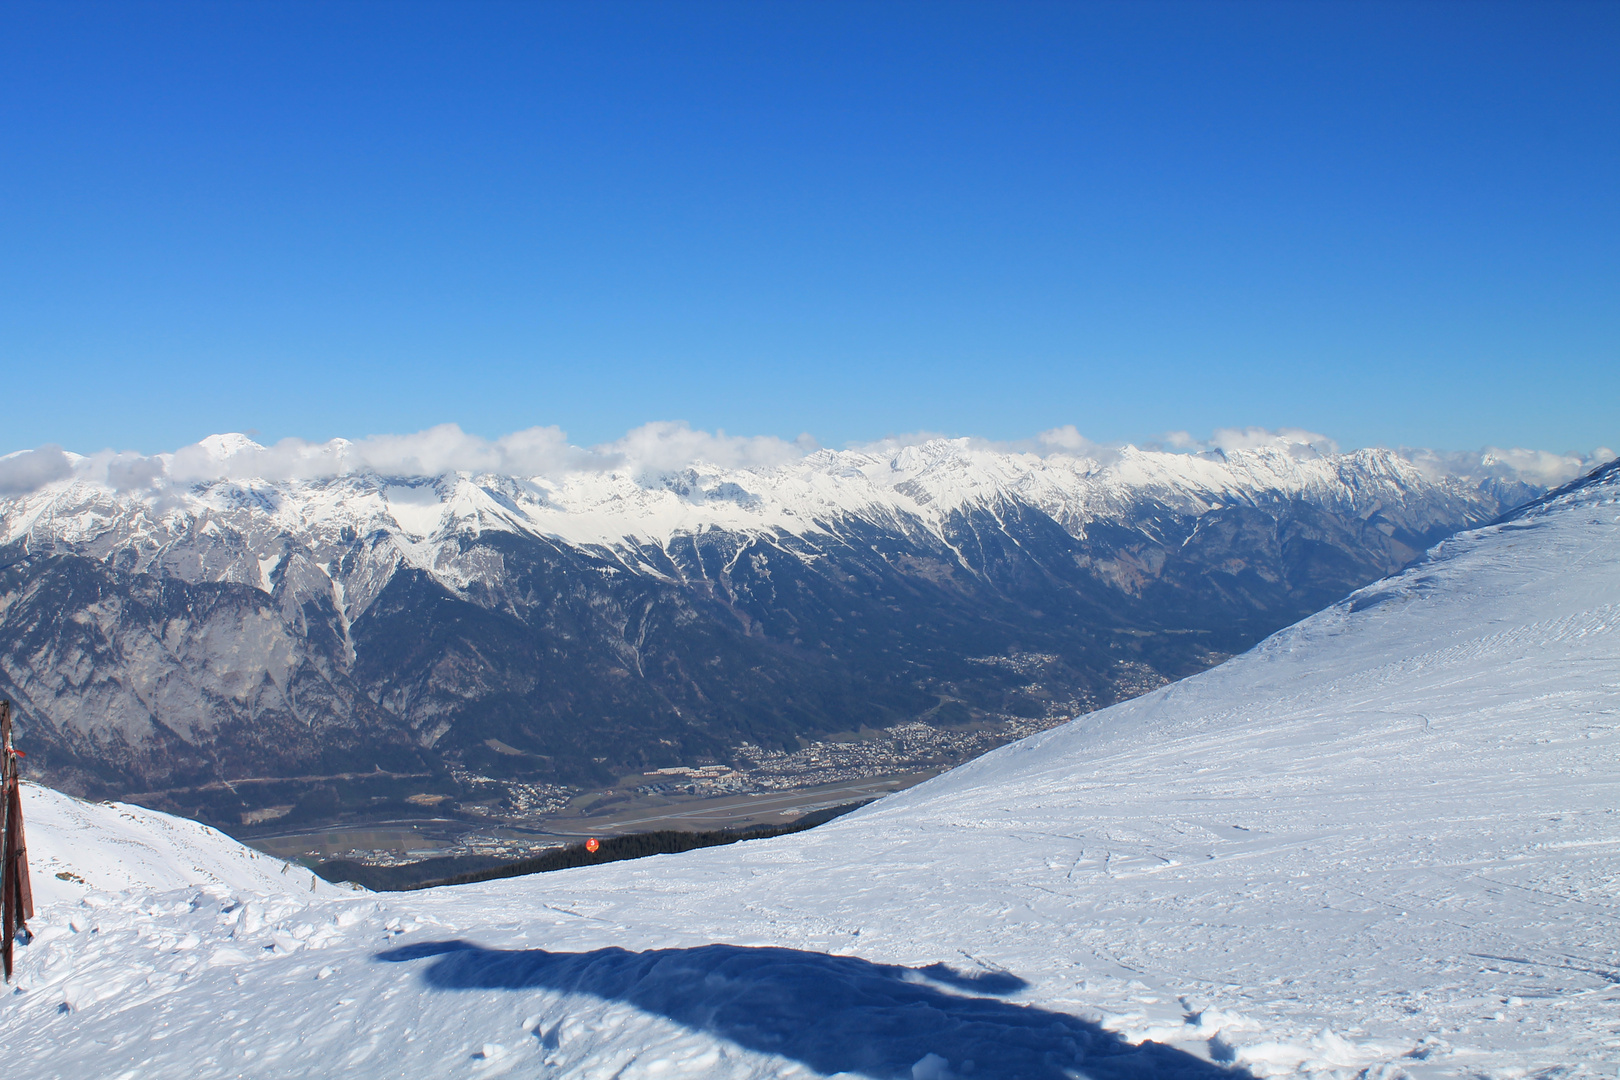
[1382, 843]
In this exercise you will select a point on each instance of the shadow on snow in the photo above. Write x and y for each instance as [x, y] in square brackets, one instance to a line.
[833, 1013]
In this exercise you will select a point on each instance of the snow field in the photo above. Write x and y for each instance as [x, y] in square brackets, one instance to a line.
[77, 848]
[1381, 844]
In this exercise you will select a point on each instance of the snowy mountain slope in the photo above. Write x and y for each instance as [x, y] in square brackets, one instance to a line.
[78, 849]
[179, 621]
[916, 487]
[1382, 843]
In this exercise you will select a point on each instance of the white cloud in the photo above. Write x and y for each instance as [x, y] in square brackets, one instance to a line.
[666, 445]
[125, 472]
[27, 470]
[890, 444]
[536, 451]
[446, 448]
[1541, 467]
[437, 450]
[1296, 441]
[663, 446]
[1538, 467]
[1067, 440]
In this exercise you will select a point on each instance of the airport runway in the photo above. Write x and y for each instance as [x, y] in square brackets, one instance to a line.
[732, 811]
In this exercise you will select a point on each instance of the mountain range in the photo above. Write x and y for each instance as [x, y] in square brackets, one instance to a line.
[1380, 844]
[165, 633]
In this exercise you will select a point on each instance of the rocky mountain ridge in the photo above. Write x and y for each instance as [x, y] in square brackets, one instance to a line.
[158, 633]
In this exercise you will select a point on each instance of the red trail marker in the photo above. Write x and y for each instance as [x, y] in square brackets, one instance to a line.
[591, 845]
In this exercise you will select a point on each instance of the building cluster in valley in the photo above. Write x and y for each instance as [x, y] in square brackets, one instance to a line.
[905, 749]
[475, 844]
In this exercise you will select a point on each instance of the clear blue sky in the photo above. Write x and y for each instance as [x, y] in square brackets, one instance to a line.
[1392, 223]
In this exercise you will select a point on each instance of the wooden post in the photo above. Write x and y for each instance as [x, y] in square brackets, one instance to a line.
[16, 893]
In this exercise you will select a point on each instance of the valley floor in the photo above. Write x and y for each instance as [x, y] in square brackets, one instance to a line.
[521, 820]
[1383, 843]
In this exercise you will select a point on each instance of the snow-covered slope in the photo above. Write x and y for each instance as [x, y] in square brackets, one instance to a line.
[79, 849]
[1382, 843]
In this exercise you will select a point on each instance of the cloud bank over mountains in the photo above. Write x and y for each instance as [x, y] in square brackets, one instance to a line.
[29, 470]
[666, 446]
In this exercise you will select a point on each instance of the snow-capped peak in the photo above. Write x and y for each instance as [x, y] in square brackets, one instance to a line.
[313, 495]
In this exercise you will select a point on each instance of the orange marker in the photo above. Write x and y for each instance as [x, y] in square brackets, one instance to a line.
[591, 845]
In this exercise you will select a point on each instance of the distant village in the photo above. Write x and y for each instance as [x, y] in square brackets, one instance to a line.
[897, 751]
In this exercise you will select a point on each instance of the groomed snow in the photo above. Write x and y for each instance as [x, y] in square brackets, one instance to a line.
[1382, 843]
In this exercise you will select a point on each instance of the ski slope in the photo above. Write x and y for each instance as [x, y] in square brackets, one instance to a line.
[1382, 843]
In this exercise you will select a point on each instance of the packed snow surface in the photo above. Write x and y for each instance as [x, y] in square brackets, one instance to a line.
[1382, 843]
[79, 848]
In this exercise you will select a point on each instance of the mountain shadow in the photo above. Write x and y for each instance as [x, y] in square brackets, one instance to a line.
[832, 1013]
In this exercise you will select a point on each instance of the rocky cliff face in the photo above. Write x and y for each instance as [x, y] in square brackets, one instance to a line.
[562, 629]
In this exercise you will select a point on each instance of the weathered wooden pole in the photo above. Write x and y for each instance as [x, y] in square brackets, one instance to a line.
[16, 894]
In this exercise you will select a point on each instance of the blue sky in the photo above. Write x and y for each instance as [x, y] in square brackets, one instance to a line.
[1392, 223]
